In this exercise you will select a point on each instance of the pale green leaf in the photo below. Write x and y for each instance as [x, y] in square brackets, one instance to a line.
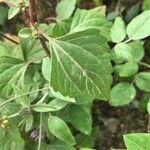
[13, 11]
[122, 94]
[138, 28]
[80, 118]
[29, 123]
[80, 67]
[60, 129]
[118, 31]
[25, 32]
[137, 141]
[142, 80]
[65, 9]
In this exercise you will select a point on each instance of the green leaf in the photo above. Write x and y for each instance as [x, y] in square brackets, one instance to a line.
[89, 19]
[12, 71]
[25, 32]
[137, 50]
[148, 106]
[13, 11]
[126, 70]
[122, 94]
[146, 5]
[32, 49]
[59, 129]
[65, 9]
[29, 123]
[121, 53]
[80, 67]
[142, 81]
[138, 28]
[54, 105]
[3, 14]
[24, 100]
[12, 140]
[118, 31]
[137, 141]
[80, 118]
[46, 68]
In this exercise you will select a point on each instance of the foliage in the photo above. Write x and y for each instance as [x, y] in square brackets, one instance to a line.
[49, 80]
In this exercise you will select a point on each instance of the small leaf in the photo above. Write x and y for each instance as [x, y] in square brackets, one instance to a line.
[59, 129]
[65, 9]
[122, 94]
[142, 81]
[138, 28]
[80, 118]
[137, 141]
[118, 31]
[29, 123]
[13, 11]
[25, 33]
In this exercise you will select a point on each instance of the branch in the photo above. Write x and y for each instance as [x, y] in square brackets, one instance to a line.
[32, 11]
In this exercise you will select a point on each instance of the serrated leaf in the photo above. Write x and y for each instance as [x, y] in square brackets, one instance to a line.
[25, 32]
[138, 141]
[138, 28]
[54, 105]
[13, 11]
[65, 9]
[118, 31]
[126, 70]
[80, 118]
[87, 19]
[12, 71]
[12, 140]
[142, 80]
[80, 67]
[122, 94]
[32, 49]
[59, 129]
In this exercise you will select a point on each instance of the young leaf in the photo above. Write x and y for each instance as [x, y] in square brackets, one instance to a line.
[138, 28]
[59, 129]
[65, 9]
[137, 141]
[122, 94]
[118, 31]
[126, 70]
[12, 71]
[80, 67]
[80, 118]
[13, 11]
[25, 32]
[142, 81]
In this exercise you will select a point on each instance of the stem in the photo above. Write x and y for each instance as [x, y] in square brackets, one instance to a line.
[44, 46]
[14, 115]
[8, 38]
[127, 41]
[43, 98]
[32, 92]
[40, 133]
[32, 11]
[144, 64]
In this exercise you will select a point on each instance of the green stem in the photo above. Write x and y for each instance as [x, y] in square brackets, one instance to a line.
[144, 64]
[32, 92]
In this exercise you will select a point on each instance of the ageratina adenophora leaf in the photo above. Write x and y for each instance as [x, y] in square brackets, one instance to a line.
[81, 65]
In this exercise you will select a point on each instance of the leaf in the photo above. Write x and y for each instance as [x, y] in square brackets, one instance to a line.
[12, 71]
[121, 53]
[142, 81]
[46, 68]
[118, 31]
[65, 9]
[32, 49]
[122, 94]
[13, 11]
[25, 32]
[80, 118]
[148, 106]
[146, 5]
[59, 129]
[89, 19]
[138, 28]
[80, 67]
[29, 123]
[3, 14]
[126, 70]
[54, 105]
[138, 141]
[12, 140]
[24, 100]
